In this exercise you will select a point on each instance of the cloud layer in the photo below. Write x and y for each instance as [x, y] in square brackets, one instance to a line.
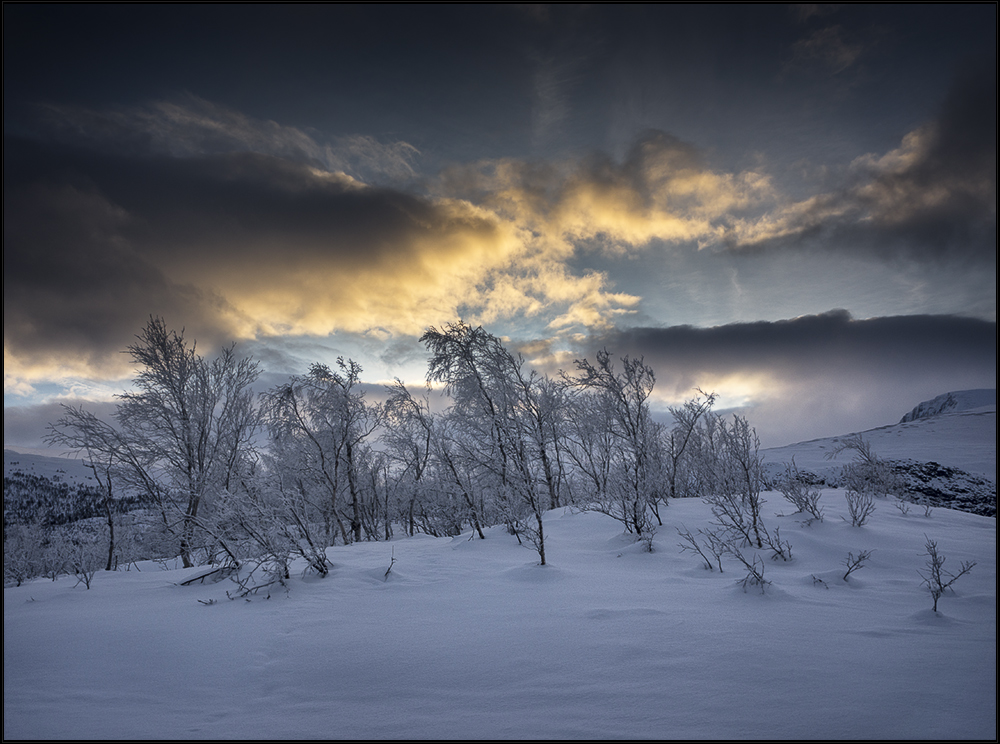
[816, 375]
[244, 228]
[247, 228]
[932, 198]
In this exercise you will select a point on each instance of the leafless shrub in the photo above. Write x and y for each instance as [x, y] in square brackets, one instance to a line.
[731, 517]
[936, 578]
[904, 507]
[23, 552]
[392, 561]
[804, 497]
[855, 562]
[755, 571]
[646, 538]
[54, 557]
[691, 544]
[779, 548]
[84, 559]
[716, 546]
[860, 505]
[868, 473]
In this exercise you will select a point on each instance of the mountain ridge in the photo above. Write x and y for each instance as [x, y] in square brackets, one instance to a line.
[952, 402]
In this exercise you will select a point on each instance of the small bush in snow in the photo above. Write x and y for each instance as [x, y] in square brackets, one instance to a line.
[860, 505]
[801, 495]
[691, 544]
[936, 578]
[755, 571]
[855, 562]
[85, 557]
[646, 538]
[868, 473]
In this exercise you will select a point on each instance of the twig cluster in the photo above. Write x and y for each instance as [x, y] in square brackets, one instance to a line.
[936, 578]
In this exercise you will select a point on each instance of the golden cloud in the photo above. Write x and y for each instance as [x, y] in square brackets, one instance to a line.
[906, 186]
[660, 192]
[270, 240]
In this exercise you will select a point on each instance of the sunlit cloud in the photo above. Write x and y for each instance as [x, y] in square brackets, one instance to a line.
[660, 191]
[246, 245]
[933, 197]
[250, 229]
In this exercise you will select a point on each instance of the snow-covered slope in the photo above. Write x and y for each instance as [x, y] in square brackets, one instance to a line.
[65, 469]
[472, 639]
[950, 456]
[960, 400]
[965, 440]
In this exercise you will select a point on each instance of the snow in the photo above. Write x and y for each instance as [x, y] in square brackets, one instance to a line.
[965, 440]
[66, 469]
[958, 400]
[471, 639]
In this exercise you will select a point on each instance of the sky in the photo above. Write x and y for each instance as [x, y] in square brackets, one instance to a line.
[791, 206]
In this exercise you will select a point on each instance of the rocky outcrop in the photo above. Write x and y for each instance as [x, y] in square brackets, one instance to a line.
[952, 488]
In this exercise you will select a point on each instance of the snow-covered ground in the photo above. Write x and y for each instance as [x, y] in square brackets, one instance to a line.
[472, 639]
[966, 440]
[66, 469]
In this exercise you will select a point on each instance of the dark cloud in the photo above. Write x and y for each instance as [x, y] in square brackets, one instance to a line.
[810, 376]
[26, 426]
[230, 245]
[931, 199]
[190, 204]
[187, 126]
[828, 343]
[75, 288]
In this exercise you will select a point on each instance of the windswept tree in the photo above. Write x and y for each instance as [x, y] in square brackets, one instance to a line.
[633, 459]
[318, 424]
[409, 438]
[738, 479]
[183, 433]
[192, 421]
[681, 443]
[498, 417]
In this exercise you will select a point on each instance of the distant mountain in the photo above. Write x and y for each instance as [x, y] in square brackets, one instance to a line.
[961, 400]
[51, 490]
[60, 469]
[944, 450]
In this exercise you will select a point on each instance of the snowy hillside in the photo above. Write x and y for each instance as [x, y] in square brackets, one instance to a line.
[963, 439]
[455, 638]
[961, 400]
[472, 639]
[949, 455]
[60, 469]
